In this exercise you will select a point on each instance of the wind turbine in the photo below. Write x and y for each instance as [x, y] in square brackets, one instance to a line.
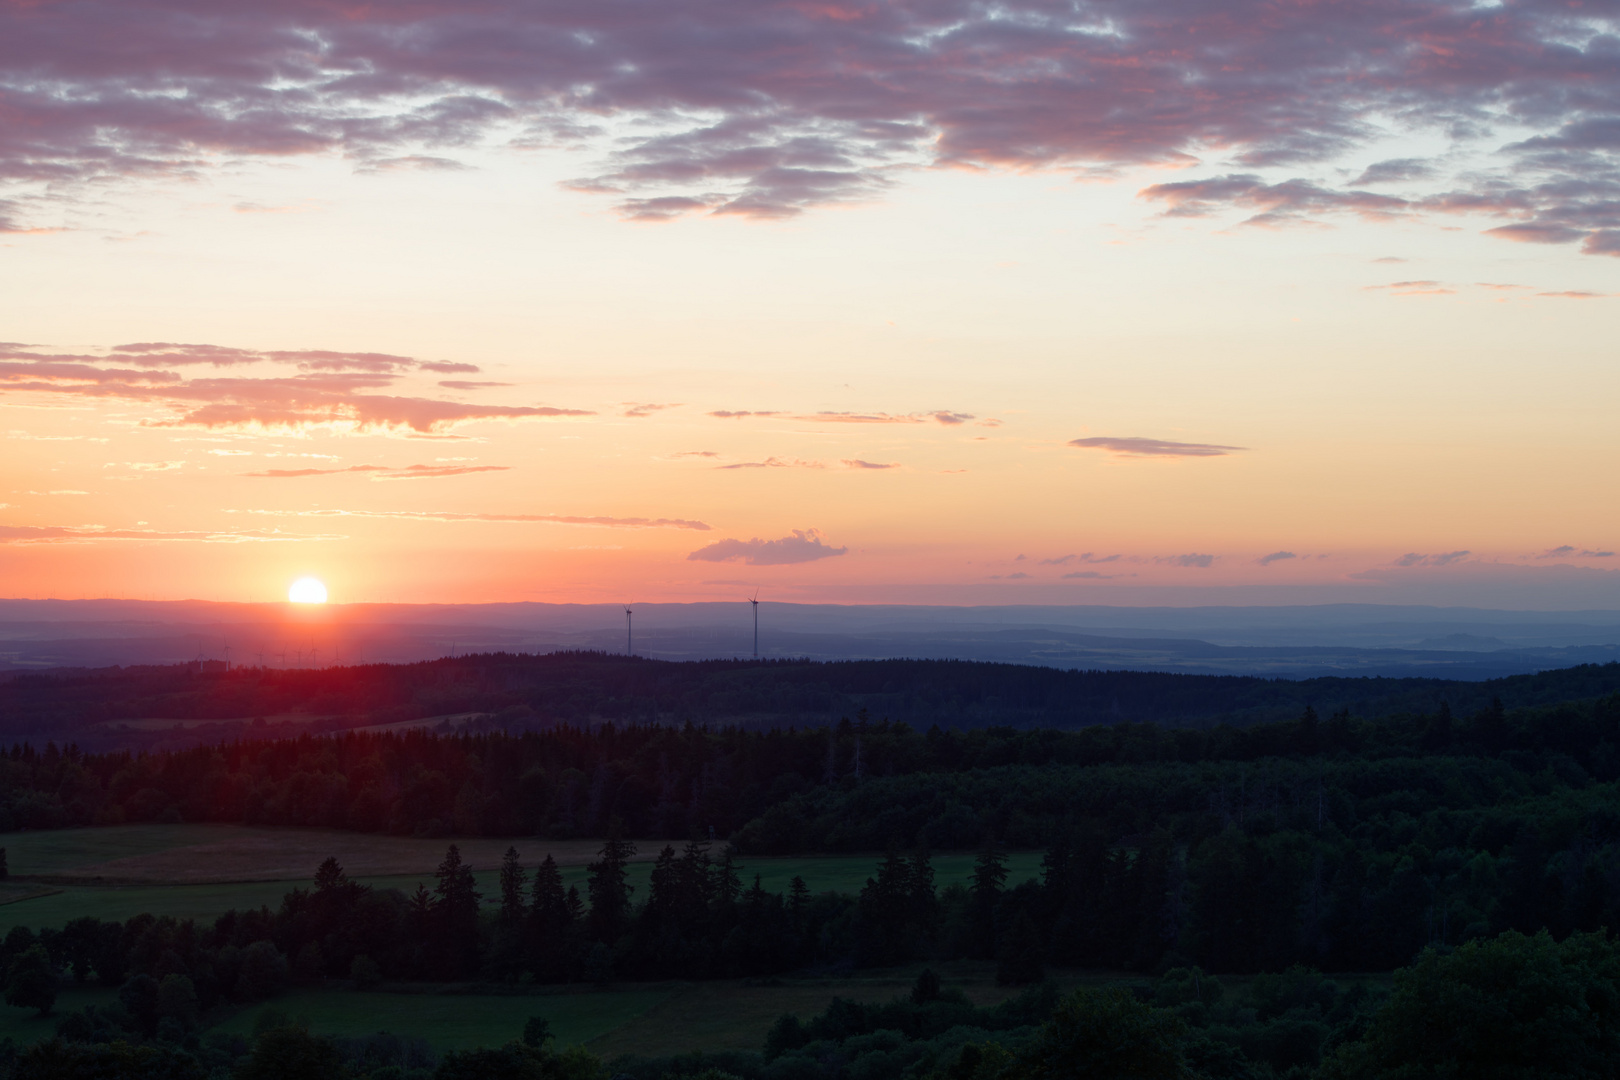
[629, 639]
[754, 600]
[227, 656]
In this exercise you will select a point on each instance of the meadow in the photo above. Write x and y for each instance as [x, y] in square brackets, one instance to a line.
[201, 871]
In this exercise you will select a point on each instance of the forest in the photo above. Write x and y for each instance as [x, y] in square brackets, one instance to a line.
[585, 689]
[1287, 857]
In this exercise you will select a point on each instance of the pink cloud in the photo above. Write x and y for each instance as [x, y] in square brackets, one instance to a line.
[328, 388]
[1134, 446]
[803, 546]
[384, 472]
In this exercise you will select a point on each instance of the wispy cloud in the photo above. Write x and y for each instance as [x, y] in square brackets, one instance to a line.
[1134, 446]
[328, 388]
[1413, 558]
[1088, 575]
[83, 534]
[738, 414]
[1413, 288]
[599, 521]
[385, 472]
[857, 463]
[464, 384]
[774, 463]
[939, 416]
[803, 546]
[1201, 562]
[1570, 551]
[632, 409]
[1275, 556]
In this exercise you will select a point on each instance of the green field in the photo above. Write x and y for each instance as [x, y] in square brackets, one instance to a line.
[122, 871]
[458, 1021]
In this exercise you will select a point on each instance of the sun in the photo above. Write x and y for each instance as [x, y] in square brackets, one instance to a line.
[306, 590]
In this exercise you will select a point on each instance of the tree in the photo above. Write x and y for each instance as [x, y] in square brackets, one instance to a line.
[1509, 1007]
[1020, 953]
[607, 887]
[512, 882]
[1104, 1035]
[291, 1053]
[455, 913]
[989, 878]
[56, 1059]
[536, 1032]
[31, 981]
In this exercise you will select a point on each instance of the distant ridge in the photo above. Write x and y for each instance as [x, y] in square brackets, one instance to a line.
[175, 706]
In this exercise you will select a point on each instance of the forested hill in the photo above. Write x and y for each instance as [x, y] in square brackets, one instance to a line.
[584, 689]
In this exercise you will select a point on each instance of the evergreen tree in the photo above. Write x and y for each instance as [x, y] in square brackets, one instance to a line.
[607, 887]
[512, 882]
[989, 879]
[455, 911]
[551, 924]
[1019, 958]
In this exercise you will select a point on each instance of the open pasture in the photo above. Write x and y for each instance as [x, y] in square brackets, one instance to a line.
[200, 871]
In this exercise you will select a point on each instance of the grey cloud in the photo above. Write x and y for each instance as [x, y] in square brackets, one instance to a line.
[805, 545]
[1275, 556]
[1135, 446]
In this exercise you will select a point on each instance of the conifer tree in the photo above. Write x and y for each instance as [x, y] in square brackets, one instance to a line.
[608, 889]
[512, 882]
[989, 879]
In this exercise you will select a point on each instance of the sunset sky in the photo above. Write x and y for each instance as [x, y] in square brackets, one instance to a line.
[928, 302]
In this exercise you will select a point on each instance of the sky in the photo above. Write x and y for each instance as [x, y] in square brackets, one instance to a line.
[957, 303]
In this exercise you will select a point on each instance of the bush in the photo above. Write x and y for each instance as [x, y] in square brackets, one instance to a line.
[1510, 1007]
[263, 973]
[31, 981]
[1102, 1035]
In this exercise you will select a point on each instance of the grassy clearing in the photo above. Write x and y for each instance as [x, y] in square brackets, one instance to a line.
[458, 1021]
[200, 871]
[199, 854]
[27, 1026]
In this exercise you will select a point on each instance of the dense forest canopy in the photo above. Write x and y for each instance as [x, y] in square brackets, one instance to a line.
[586, 689]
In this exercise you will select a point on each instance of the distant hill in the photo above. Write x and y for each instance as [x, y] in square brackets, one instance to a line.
[182, 705]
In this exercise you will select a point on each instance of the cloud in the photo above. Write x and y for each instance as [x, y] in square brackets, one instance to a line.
[802, 547]
[1568, 551]
[950, 419]
[696, 453]
[1414, 288]
[1201, 562]
[1397, 170]
[81, 534]
[540, 519]
[857, 463]
[1275, 556]
[634, 410]
[1412, 558]
[769, 108]
[774, 463]
[384, 472]
[464, 384]
[1283, 203]
[1087, 575]
[329, 388]
[1575, 294]
[1139, 447]
[728, 414]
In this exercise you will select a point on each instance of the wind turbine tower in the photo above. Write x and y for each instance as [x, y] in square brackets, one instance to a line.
[629, 638]
[754, 600]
